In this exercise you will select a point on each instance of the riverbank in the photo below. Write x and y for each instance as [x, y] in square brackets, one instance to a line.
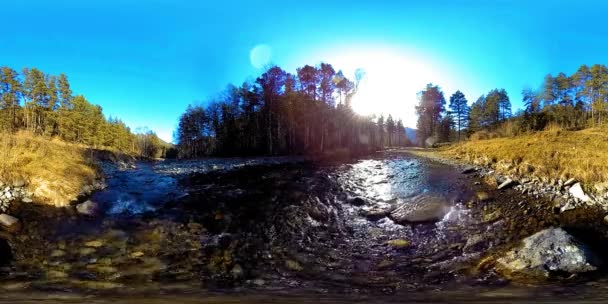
[49, 171]
[359, 228]
[550, 156]
[567, 167]
[352, 228]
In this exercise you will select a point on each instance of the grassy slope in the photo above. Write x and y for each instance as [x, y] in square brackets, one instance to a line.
[54, 171]
[550, 154]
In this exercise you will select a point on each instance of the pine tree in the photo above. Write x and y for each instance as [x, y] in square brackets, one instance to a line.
[390, 128]
[460, 110]
[10, 94]
[430, 110]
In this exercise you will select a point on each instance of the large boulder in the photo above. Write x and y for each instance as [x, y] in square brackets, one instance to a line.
[550, 253]
[431, 141]
[424, 208]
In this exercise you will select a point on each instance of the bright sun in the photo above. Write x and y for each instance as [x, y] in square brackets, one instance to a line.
[391, 82]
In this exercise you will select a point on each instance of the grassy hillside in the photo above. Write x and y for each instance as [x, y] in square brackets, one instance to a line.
[54, 171]
[549, 154]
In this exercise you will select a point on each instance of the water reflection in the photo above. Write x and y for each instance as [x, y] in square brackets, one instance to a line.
[383, 180]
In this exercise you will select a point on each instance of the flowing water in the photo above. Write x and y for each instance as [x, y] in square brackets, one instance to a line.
[278, 230]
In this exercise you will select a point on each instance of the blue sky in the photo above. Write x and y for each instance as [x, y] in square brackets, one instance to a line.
[145, 61]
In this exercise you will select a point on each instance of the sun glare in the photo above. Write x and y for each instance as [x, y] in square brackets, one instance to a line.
[391, 82]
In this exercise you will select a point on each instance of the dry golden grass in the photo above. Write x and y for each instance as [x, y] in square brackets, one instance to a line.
[55, 171]
[550, 154]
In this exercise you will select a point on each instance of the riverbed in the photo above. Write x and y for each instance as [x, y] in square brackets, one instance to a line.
[283, 229]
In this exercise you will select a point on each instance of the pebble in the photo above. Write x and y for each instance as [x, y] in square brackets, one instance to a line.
[482, 196]
[507, 183]
[55, 274]
[293, 265]
[94, 244]
[57, 253]
[399, 243]
[136, 254]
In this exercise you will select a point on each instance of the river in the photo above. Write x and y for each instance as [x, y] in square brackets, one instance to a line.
[274, 230]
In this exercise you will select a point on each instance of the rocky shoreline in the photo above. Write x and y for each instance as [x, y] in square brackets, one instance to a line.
[553, 252]
[342, 227]
[566, 194]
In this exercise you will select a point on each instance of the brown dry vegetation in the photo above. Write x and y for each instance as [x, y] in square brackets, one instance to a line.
[549, 154]
[54, 171]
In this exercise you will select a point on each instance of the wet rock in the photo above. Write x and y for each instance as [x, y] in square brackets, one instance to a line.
[136, 254]
[482, 196]
[492, 217]
[237, 271]
[102, 269]
[469, 170]
[57, 253]
[386, 264]
[474, 243]
[399, 243]
[506, 184]
[376, 213]
[293, 265]
[421, 209]
[550, 253]
[89, 208]
[357, 201]
[98, 285]
[9, 223]
[94, 244]
[55, 274]
[86, 251]
[577, 191]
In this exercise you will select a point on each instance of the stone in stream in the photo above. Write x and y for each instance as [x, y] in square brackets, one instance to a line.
[424, 208]
[357, 201]
[377, 212]
[399, 243]
[577, 192]
[10, 223]
[89, 208]
[547, 254]
[474, 243]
